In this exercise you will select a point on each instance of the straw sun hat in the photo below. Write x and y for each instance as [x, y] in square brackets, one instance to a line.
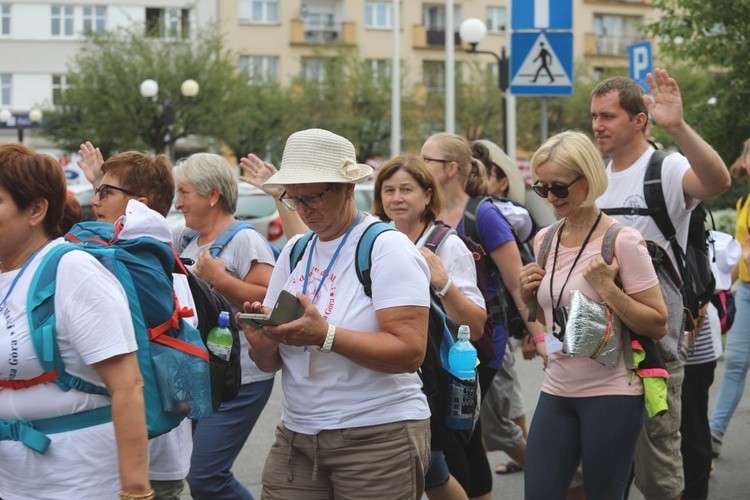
[316, 155]
[516, 185]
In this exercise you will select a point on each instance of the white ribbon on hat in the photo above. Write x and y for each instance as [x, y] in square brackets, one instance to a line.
[350, 169]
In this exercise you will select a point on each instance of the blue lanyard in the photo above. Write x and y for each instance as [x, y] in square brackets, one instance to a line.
[333, 259]
[18, 276]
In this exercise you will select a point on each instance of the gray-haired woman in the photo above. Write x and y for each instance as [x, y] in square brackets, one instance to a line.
[355, 421]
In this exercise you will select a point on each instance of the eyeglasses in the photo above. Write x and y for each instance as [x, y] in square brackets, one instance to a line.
[559, 190]
[311, 201]
[428, 160]
[105, 190]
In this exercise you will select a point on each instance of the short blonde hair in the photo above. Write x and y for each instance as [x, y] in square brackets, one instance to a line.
[737, 170]
[574, 150]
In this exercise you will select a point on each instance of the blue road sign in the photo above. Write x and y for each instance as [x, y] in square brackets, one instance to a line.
[541, 15]
[641, 63]
[541, 64]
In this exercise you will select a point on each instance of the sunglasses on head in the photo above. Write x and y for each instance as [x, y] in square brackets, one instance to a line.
[559, 190]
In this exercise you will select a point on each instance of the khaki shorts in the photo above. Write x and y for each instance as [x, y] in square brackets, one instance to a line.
[379, 461]
[658, 461]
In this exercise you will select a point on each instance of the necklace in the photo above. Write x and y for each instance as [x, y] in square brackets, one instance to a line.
[424, 230]
[575, 261]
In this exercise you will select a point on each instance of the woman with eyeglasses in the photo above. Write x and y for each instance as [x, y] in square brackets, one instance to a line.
[586, 412]
[355, 423]
[207, 195]
[461, 177]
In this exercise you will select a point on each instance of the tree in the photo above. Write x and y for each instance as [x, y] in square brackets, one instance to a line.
[712, 35]
[103, 102]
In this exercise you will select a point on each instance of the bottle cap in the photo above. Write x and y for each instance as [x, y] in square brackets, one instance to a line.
[463, 332]
[223, 319]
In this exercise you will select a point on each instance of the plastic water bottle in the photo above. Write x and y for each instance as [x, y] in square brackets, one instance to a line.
[462, 360]
[219, 340]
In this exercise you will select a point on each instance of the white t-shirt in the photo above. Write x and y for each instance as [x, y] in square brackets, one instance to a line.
[93, 324]
[238, 255]
[625, 189]
[327, 391]
[459, 264]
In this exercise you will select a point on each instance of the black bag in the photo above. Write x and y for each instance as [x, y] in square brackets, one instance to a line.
[208, 304]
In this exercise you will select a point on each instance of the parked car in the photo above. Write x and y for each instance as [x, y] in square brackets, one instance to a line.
[83, 193]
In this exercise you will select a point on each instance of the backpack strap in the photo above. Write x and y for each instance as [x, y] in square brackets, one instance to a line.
[226, 236]
[541, 259]
[186, 239]
[299, 249]
[363, 263]
[469, 218]
[608, 245]
[437, 236]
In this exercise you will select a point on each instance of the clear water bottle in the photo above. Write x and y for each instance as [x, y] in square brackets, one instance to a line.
[219, 340]
[462, 360]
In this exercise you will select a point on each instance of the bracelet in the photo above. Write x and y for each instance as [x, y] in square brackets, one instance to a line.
[625, 309]
[539, 338]
[136, 496]
[328, 344]
[442, 292]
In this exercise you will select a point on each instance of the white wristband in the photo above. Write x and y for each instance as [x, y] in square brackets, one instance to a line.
[328, 344]
[442, 292]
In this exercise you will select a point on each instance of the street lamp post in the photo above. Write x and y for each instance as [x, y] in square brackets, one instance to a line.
[473, 31]
[150, 90]
[21, 123]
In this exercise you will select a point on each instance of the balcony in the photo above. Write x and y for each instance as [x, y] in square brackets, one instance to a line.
[323, 34]
[610, 45]
[425, 38]
[618, 2]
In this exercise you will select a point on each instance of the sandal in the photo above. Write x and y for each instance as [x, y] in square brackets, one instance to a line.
[508, 468]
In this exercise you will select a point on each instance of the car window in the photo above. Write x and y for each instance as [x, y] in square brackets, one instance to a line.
[253, 206]
[363, 199]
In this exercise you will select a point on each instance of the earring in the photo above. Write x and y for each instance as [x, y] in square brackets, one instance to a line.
[212, 203]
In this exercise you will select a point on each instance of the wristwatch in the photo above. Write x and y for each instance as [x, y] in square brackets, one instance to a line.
[442, 292]
[328, 344]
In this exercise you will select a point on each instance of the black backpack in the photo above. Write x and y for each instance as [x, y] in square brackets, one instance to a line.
[442, 332]
[504, 310]
[208, 304]
[693, 263]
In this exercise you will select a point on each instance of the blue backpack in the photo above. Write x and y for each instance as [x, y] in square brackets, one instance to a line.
[224, 238]
[171, 356]
[442, 334]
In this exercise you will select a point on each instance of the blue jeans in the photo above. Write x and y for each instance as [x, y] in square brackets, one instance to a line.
[736, 364]
[599, 431]
[218, 440]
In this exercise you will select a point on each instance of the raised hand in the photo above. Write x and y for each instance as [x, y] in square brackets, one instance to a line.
[258, 172]
[665, 107]
[91, 163]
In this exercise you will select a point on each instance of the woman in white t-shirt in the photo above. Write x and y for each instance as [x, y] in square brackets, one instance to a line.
[95, 336]
[355, 423]
[407, 193]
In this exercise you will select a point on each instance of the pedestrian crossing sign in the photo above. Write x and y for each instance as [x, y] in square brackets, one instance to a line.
[541, 64]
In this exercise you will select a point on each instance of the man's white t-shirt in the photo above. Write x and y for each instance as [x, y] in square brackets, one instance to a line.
[92, 324]
[625, 189]
[328, 391]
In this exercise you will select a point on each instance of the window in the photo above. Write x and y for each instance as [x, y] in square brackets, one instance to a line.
[4, 19]
[94, 19]
[260, 68]
[433, 75]
[258, 11]
[379, 15]
[62, 20]
[313, 70]
[5, 88]
[381, 68]
[496, 19]
[59, 84]
[615, 33]
[168, 23]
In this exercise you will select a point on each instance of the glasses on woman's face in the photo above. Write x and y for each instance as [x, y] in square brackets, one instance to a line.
[559, 190]
[105, 190]
[311, 201]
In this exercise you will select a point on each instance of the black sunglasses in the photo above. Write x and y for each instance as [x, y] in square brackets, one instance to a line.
[105, 190]
[559, 190]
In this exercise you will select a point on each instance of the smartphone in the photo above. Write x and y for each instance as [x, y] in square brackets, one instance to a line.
[287, 308]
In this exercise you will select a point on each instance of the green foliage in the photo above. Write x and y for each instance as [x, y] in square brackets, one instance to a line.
[725, 220]
[103, 103]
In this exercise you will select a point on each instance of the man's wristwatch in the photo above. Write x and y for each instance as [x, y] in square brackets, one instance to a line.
[328, 344]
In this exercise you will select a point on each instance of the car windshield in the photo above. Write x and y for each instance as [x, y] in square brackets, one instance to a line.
[255, 206]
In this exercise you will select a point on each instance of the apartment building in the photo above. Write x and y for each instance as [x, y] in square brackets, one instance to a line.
[38, 40]
[280, 39]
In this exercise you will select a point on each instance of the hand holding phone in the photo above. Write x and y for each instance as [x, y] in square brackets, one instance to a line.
[287, 308]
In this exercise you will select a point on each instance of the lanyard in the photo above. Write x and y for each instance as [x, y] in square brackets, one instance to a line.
[18, 276]
[578, 256]
[333, 259]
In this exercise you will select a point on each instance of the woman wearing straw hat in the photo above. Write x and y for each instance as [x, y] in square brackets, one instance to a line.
[355, 422]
